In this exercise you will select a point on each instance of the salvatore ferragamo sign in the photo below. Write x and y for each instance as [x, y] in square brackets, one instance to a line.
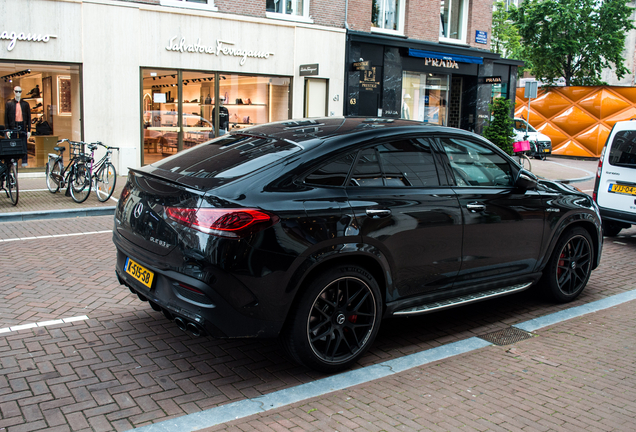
[14, 37]
[224, 48]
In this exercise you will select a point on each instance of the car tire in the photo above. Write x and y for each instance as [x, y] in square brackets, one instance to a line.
[611, 229]
[570, 266]
[336, 319]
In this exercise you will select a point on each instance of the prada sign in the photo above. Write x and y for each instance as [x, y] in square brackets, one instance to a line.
[490, 80]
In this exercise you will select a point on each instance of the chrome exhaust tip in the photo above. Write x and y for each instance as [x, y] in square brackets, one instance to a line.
[180, 323]
[194, 329]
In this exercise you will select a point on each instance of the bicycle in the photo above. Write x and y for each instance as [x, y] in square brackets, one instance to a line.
[521, 148]
[11, 149]
[103, 173]
[75, 176]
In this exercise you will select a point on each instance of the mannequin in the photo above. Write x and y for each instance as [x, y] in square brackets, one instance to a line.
[406, 113]
[224, 117]
[17, 114]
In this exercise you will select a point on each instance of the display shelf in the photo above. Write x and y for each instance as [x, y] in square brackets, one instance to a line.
[246, 105]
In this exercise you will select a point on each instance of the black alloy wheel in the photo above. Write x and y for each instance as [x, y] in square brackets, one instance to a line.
[336, 320]
[570, 265]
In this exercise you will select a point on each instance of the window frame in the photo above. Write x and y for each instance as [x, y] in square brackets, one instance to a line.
[304, 17]
[400, 19]
[209, 6]
[464, 26]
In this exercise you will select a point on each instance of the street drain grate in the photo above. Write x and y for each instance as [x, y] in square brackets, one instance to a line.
[506, 336]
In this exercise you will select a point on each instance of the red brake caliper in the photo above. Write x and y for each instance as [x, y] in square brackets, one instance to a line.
[561, 264]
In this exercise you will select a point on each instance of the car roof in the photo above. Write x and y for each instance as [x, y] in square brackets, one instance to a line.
[313, 131]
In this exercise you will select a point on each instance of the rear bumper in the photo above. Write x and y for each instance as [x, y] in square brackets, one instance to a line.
[618, 216]
[199, 309]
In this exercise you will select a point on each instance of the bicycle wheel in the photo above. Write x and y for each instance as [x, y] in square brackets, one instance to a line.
[79, 182]
[524, 161]
[105, 181]
[12, 184]
[53, 174]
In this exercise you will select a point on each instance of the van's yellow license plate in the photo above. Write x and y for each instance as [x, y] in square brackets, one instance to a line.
[139, 272]
[622, 189]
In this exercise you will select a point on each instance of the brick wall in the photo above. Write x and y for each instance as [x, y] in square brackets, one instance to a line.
[359, 18]
[479, 18]
[328, 13]
[421, 21]
[255, 8]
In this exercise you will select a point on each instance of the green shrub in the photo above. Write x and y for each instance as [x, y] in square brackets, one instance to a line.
[499, 130]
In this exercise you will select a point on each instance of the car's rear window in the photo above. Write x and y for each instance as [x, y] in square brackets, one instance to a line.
[623, 149]
[228, 158]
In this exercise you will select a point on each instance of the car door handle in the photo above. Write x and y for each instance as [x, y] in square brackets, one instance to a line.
[475, 207]
[378, 213]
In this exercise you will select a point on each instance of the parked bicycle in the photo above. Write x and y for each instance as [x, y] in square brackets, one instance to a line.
[103, 173]
[11, 149]
[521, 150]
[76, 176]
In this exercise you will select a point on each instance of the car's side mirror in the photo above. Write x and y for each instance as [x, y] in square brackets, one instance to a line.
[526, 180]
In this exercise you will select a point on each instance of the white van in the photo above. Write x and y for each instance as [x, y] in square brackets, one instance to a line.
[543, 142]
[615, 187]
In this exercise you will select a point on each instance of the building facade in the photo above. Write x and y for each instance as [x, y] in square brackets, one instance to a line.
[155, 77]
[404, 61]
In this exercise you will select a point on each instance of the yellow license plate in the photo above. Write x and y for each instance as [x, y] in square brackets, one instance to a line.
[139, 272]
[546, 150]
[622, 189]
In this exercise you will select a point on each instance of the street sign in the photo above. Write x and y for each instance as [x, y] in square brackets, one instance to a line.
[530, 90]
[481, 37]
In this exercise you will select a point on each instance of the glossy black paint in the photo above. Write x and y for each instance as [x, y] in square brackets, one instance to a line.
[420, 243]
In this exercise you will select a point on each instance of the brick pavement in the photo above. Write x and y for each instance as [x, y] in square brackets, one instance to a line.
[127, 366]
[574, 376]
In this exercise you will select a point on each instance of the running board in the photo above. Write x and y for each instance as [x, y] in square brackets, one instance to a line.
[463, 300]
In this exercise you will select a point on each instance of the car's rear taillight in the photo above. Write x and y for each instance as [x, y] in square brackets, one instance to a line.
[234, 223]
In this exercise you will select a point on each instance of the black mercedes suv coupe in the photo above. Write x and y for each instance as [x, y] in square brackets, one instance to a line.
[315, 230]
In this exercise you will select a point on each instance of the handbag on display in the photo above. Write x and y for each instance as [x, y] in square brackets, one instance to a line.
[43, 128]
[208, 100]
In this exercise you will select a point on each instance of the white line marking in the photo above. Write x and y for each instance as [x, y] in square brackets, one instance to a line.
[620, 243]
[33, 190]
[43, 324]
[56, 235]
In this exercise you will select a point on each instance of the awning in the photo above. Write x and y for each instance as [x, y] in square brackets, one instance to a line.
[442, 56]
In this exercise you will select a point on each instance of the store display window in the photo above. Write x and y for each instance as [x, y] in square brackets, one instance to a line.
[182, 109]
[425, 97]
[53, 94]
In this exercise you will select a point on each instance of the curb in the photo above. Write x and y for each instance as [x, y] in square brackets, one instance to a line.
[56, 214]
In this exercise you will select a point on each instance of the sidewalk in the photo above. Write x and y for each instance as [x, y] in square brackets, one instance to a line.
[36, 202]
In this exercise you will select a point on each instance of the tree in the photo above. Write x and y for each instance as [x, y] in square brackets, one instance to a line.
[573, 39]
[499, 130]
[505, 38]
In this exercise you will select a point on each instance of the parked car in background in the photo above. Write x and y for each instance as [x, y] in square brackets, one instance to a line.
[317, 230]
[540, 144]
[615, 186]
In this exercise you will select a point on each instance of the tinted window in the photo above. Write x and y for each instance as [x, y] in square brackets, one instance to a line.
[623, 150]
[333, 173]
[408, 163]
[228, 157]
[367, 171]
[475, 164]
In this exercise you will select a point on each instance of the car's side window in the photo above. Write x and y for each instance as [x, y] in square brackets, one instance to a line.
[474, 164]
[367, 171]
[408, 163]
[333, 173]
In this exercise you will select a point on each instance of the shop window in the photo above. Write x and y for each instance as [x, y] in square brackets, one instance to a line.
[387, 16]
[453, 20]
[425, 97]
[53, 94]
[296, 10]
[181, 109]
[193, 4]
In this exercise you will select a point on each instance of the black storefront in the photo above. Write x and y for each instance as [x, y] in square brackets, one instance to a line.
[430, 82]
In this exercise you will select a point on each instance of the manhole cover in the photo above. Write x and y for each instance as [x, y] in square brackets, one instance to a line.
[507, 336]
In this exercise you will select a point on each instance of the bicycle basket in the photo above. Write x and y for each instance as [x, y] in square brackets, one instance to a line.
[77, 149]
[13, 146]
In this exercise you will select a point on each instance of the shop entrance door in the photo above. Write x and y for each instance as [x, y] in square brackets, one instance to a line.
[315, 97]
